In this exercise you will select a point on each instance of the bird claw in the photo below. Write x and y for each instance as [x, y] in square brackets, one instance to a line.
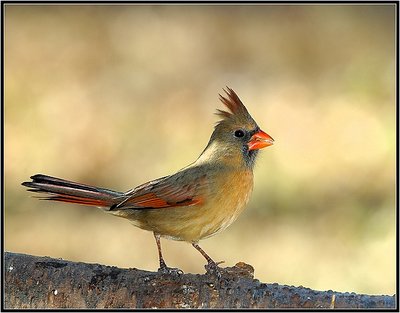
[170, 271]
[212, 268]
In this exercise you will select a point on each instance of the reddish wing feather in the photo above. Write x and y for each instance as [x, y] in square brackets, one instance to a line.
[148, 200]
[169, 192]
[151, 200]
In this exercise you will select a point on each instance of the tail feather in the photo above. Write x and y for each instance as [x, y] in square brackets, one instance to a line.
[72, 192]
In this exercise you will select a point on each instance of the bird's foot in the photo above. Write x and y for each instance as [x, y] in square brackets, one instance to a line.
[212, 268]
[170, 271]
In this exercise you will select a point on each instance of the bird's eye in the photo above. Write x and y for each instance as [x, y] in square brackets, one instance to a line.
[239, 133]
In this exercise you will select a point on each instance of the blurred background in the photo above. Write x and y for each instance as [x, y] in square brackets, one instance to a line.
[116, 95]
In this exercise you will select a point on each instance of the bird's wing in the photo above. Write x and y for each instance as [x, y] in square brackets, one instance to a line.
[185, 188]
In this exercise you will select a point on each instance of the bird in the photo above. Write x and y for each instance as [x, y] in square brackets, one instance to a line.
[197, 202]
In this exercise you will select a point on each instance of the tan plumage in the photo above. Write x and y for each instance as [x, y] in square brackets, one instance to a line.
[198, 201]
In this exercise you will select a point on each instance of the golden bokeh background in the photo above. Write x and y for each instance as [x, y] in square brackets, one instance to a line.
[116, 95]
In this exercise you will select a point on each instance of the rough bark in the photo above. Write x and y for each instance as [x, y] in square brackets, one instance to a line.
[41, 282]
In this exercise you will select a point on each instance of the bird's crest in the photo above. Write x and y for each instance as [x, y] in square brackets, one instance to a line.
[236, 108]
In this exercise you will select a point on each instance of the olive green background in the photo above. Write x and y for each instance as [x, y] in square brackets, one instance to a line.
[116, 95]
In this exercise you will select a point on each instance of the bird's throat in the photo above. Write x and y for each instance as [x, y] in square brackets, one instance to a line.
[218, 153]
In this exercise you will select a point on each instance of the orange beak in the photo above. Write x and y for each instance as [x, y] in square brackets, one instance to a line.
[260, 140]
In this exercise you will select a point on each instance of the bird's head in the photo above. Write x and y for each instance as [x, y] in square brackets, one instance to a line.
[237, 137]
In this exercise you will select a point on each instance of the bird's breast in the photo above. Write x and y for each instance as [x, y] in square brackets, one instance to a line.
[225, 203]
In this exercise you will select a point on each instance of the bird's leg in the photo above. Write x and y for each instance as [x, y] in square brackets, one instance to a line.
[211, 267]
[163, 267]
[160, 257]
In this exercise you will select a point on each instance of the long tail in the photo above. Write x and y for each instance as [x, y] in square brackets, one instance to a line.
[68, 191]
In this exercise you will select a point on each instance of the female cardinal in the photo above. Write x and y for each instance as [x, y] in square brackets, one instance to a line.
[198, 201]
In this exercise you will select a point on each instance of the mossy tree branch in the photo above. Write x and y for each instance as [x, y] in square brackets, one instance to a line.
[42, 282]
